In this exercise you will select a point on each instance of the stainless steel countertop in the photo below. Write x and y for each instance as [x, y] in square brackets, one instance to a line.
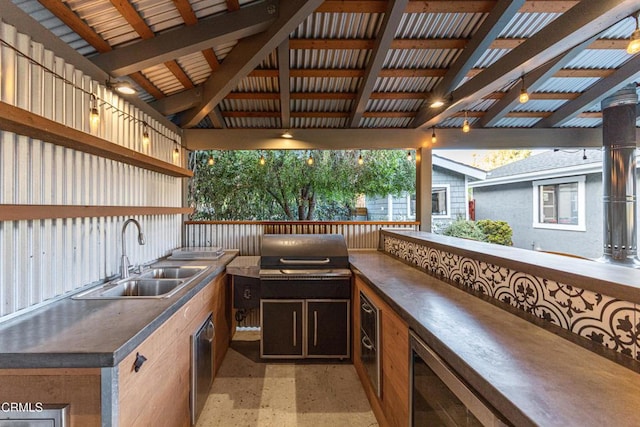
[72, 333]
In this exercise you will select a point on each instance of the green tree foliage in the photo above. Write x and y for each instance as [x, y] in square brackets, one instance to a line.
[466, 230]
[286, 187]
[499, 232]
[486, 230]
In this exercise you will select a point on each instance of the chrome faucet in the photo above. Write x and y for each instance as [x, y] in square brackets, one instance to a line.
[124, 263]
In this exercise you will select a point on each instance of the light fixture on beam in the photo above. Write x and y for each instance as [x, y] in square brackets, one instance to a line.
[121, 86]
[524, 95]
[634, 42]
[437, 103]
[286, 134]
[465, 125]
[433, 135]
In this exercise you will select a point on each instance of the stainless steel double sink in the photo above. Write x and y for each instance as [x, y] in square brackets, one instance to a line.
[158, 282]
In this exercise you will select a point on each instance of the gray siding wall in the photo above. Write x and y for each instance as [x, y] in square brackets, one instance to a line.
[514, 203]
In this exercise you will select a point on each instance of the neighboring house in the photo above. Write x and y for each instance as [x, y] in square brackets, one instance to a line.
[553, 201]
[449, 201]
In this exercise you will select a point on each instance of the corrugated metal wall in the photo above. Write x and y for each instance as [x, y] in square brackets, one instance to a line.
[42, 259]
[247, 236]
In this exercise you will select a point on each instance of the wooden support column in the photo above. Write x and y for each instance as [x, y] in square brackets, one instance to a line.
[423, 187]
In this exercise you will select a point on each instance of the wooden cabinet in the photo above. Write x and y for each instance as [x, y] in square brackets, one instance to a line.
[304, 328]
[392, 407]
[158, 393]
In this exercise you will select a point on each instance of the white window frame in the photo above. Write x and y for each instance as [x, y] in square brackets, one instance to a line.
[447, 190]
[581, 226]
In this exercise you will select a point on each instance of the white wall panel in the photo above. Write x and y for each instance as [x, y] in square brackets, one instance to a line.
[42, 259]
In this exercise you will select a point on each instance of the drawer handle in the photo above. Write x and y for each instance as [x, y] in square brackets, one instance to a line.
[140, 359]
[366, 342]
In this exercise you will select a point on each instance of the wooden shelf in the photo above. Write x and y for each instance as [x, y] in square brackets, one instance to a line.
[36, 212]
[23, 122]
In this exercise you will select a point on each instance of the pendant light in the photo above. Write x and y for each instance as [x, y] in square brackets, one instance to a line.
[524, 96]
[465, 125]
[433, 135]
[94, 116]
[634, 41]
[145, 134]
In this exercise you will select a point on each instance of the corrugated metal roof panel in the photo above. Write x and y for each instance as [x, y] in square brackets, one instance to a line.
[420, 58]
[163, 79]
[489, 57]
[339, 26]
[252, 122]
[582, 122]
[540, 105]
[481, 105]
[517, 122]
[223, 50]
[322, 58]
[621, 30]
[332, 105]
[209, 7]
[38, 12]
[438, 25]
[385, 122]
[599, 58]
[158, 14]
[105, 19]
[394, 104]
[524, 25]
[318, 122]
[250, 105]
[323, 84]
[196, 67]
[270, 62]
[567, 84]
[413, 84]
[258, 84]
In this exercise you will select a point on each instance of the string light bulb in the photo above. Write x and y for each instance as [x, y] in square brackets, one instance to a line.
[433, 135]
[94, 116]
[634, 41]
[409, 156]
[211, 161]
[524, 96]
[310, 160]
[465, 125]
[360, 160]
[262, 160]
[176, 153]
[145, 134]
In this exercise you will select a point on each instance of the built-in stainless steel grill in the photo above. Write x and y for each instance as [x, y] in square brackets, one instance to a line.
[305, 296]
[304, 266]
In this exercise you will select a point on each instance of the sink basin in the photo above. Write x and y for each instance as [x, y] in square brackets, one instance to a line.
[143, 288]
[138, 287]
[172, 272]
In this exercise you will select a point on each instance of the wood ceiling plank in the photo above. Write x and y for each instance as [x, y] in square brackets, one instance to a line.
[584, 73]
[429, 43]
[340, 6]
[327, 73]
[262, 72]
[211, 58]
[73, 21]
[134, 19]
[548, 6]
[400, 95]
[389, 114]
[250, 114]
[321, 114]
[446, 6]
[253, 95]
[145, 84]
[331, 44]
[179, 73]
[323, 95]
[184, 7]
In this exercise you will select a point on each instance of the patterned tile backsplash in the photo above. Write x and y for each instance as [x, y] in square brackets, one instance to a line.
[613, 323]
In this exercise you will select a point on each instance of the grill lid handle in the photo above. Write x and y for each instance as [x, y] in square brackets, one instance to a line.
[305, 261]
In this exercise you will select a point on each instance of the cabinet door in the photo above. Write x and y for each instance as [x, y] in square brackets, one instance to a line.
[281, 328]
[328, 328]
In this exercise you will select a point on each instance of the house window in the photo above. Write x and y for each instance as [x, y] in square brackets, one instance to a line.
[440, 201]
[559, 203]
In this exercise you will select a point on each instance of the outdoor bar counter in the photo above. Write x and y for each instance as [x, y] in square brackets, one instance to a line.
[515, 326]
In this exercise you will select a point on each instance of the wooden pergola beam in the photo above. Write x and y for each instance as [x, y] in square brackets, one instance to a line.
[441, 6]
